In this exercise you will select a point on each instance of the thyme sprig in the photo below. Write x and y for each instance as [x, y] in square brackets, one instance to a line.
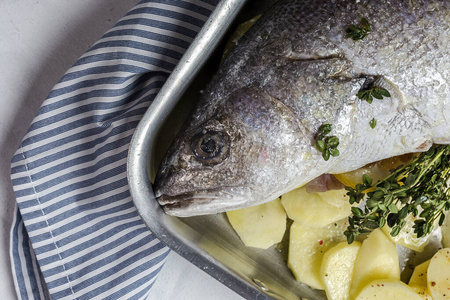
[358, 32]
[420, 185]
[327, 145]
[373, 92]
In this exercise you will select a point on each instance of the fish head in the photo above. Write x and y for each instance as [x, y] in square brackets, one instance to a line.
[231, 155]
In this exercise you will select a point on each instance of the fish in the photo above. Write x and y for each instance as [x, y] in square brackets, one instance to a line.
[253, 134]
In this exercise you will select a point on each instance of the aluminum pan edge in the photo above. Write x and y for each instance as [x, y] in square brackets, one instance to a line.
[176, 234]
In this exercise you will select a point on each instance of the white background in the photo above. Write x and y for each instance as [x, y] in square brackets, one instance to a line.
[39, 41]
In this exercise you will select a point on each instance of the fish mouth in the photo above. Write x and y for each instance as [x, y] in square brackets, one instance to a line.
[179, 199]
[199, 202]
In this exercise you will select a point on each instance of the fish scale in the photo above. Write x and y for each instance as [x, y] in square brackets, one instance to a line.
[295, 70]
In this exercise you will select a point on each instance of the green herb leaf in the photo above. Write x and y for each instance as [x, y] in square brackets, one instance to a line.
[395, 230]
[373, 92]
[320, 145]
[326, 154]
[393, 208]
[441, 220]
[358, 32]
[384, 92]
[325, 129]
[333, 142]
[327, 145]
[334, 152]
[373, 123]
[403, 213]
[365, 24]
[367, 180]
[350, 238]
[357, 211]
[410, 179]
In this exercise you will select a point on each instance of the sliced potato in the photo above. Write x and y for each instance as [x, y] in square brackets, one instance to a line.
[307, 246]
[377, 259]
[384, 289]
[438, 275]
[422, 291]
[419, 275]
[336, 198]
[259, 226]
[311, 209]
[337, 269]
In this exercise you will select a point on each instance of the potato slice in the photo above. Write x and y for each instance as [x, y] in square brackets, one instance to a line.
[259, 226]
[337, 269]
[418, 280]
[311, 209]
[422, 291]
[384, 289]
[438, 276]
[419, 275]
[377, 259]
[336, 198]
[307, 246]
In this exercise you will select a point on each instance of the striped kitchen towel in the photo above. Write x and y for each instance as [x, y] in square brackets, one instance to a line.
[76, 232]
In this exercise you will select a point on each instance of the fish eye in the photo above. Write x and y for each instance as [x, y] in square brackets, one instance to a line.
[209, 146]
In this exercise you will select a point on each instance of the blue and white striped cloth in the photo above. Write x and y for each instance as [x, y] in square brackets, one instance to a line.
[76, 233]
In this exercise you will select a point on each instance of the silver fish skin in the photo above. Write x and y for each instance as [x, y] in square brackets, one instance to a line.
[251, 137]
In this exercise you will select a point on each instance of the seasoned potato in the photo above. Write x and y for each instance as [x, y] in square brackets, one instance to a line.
[419, 275]
[386, 289]
[377, 259]
[259, 226]
[438, 275]
[316, 209]
[422, 291]
[336, 198]
[337, 269]
[307, 246]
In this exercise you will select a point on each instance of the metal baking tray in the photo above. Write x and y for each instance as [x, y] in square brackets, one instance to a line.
[208, 242]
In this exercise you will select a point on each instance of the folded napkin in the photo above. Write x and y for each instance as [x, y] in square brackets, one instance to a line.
[76, 233]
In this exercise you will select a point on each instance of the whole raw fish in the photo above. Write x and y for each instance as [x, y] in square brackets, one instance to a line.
[251, 137]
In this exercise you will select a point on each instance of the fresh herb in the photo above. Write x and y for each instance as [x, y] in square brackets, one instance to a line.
[373, 123]
[327, 145]
[373, 92]
[418, 188]
[358, 32]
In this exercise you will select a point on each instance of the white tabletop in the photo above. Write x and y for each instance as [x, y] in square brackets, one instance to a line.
[39, 41]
